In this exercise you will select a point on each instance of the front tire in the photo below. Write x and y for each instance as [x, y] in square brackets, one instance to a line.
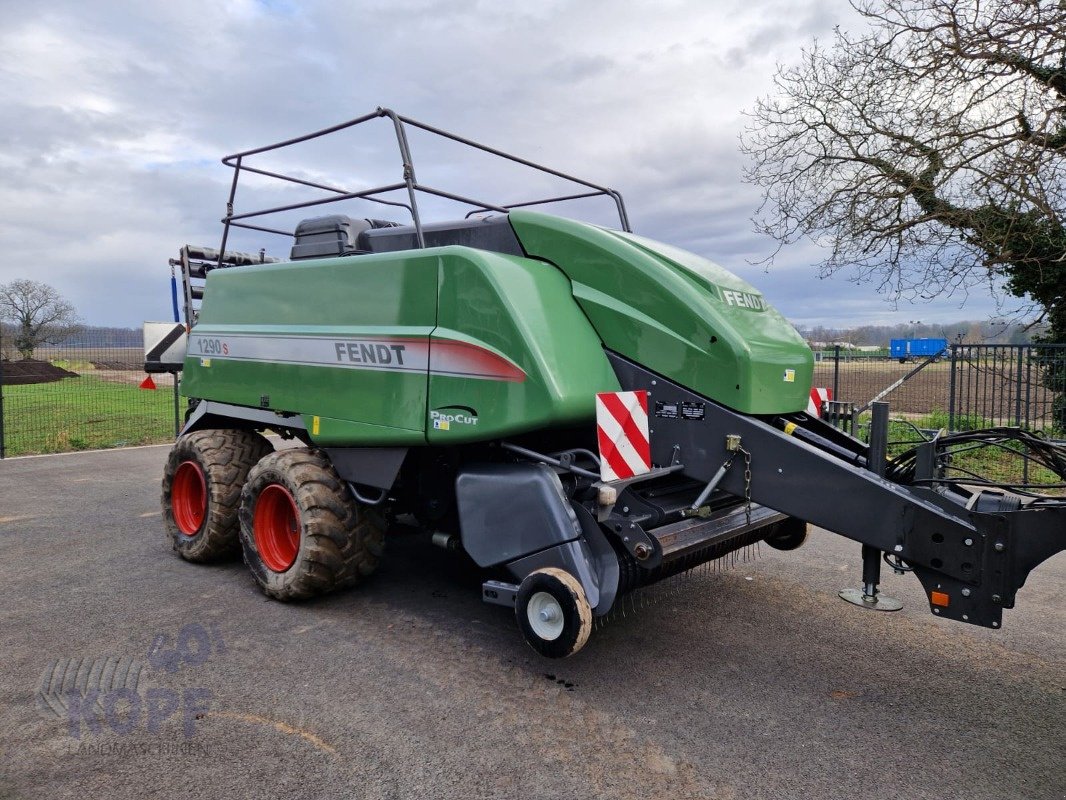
[553, 612]
[301, 531]
[201, 490]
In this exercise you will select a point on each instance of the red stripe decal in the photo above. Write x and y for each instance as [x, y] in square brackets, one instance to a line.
[447, 357]
[610, 454]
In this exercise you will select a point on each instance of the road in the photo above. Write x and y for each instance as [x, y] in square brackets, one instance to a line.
[751, 682]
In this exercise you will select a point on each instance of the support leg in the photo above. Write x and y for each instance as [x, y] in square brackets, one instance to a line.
[869, 596]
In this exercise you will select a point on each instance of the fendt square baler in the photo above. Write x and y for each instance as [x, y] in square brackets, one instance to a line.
[453, 372]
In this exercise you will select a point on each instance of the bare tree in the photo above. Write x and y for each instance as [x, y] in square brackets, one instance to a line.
[928, 151]
[38, 315]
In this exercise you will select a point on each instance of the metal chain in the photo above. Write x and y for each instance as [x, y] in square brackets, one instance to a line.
[747, 483]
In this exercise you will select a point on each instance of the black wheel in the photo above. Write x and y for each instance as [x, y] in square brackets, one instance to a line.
[301, 531]
[202, 484]
[788, 535]
[553, 613]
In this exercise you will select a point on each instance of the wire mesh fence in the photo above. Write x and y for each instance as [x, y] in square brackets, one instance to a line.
[966, 387]
[83, 394]
[1018, 385]
[858, 380]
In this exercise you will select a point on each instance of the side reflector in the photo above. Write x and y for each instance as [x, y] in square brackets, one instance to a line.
[622, 433]
[939, 598]
[148, 383]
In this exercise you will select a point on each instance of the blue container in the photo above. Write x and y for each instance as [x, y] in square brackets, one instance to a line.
[905, 349]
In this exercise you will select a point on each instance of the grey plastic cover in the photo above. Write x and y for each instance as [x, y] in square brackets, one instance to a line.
[507, 511]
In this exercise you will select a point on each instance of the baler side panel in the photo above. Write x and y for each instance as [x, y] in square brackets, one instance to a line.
[543, 361]
[344, 339]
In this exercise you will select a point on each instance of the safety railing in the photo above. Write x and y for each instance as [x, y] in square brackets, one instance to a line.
[409, 183]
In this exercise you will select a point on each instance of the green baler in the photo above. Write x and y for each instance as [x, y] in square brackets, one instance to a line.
[583, 411]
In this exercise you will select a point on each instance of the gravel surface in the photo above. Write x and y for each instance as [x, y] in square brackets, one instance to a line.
[754, 682]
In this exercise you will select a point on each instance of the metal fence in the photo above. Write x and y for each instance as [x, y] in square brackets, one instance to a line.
[858, 379]
[1022, 385]
[968, 386]
[84, 394]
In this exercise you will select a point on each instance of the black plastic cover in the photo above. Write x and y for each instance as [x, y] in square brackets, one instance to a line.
[489, 233]
[333, 235]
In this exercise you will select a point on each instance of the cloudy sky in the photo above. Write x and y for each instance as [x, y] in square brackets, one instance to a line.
[113, 117]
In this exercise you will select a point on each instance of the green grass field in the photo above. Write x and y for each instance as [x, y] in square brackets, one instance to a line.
[84, 413]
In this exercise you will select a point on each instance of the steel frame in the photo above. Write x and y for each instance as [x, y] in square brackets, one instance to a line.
[400, 124]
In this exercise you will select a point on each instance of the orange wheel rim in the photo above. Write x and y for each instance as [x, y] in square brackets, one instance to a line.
[276, 527]
[188, 498]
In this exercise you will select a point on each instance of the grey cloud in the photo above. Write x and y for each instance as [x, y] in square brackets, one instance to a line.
[110, 137]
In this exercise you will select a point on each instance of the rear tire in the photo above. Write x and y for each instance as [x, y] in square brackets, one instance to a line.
[301, 531]
[553, 612]
[202, 484]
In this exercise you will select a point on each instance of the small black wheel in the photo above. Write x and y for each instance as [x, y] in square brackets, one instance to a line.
[553, 612]
[302, 532]
[788, 535]
[202, 484]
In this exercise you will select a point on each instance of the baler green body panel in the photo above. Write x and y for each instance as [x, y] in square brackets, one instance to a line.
[455, 344]
[280, 324]
[677, 314]
[523, 310]
[376, 349]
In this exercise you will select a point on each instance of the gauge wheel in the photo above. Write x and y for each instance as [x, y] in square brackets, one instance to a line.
[788, 535]
[553, 613]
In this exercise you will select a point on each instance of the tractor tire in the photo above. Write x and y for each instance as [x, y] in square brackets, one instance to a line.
[302, 532]
[202, 483]
[553, 613]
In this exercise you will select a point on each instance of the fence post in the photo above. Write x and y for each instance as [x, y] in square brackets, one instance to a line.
[177, 411]
[1028, 386]
[1018, 388]
[836, 372]
[2, 449]
[951, 388]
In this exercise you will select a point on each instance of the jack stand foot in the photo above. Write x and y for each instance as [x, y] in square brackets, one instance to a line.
[868, 596]
[877, 602]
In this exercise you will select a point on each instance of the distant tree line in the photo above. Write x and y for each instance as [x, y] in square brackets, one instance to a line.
[965, 331]
[83, 336]
[103, 336]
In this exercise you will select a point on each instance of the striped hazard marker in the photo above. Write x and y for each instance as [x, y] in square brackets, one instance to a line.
[819, 397]
[622, 431]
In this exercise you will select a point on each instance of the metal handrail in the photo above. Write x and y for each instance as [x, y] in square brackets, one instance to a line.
[400, 123]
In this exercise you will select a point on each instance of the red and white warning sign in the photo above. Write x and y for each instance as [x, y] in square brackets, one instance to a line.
[622, 431]
[819, 397]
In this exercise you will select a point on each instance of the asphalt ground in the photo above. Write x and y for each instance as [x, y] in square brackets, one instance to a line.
[752, 682]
